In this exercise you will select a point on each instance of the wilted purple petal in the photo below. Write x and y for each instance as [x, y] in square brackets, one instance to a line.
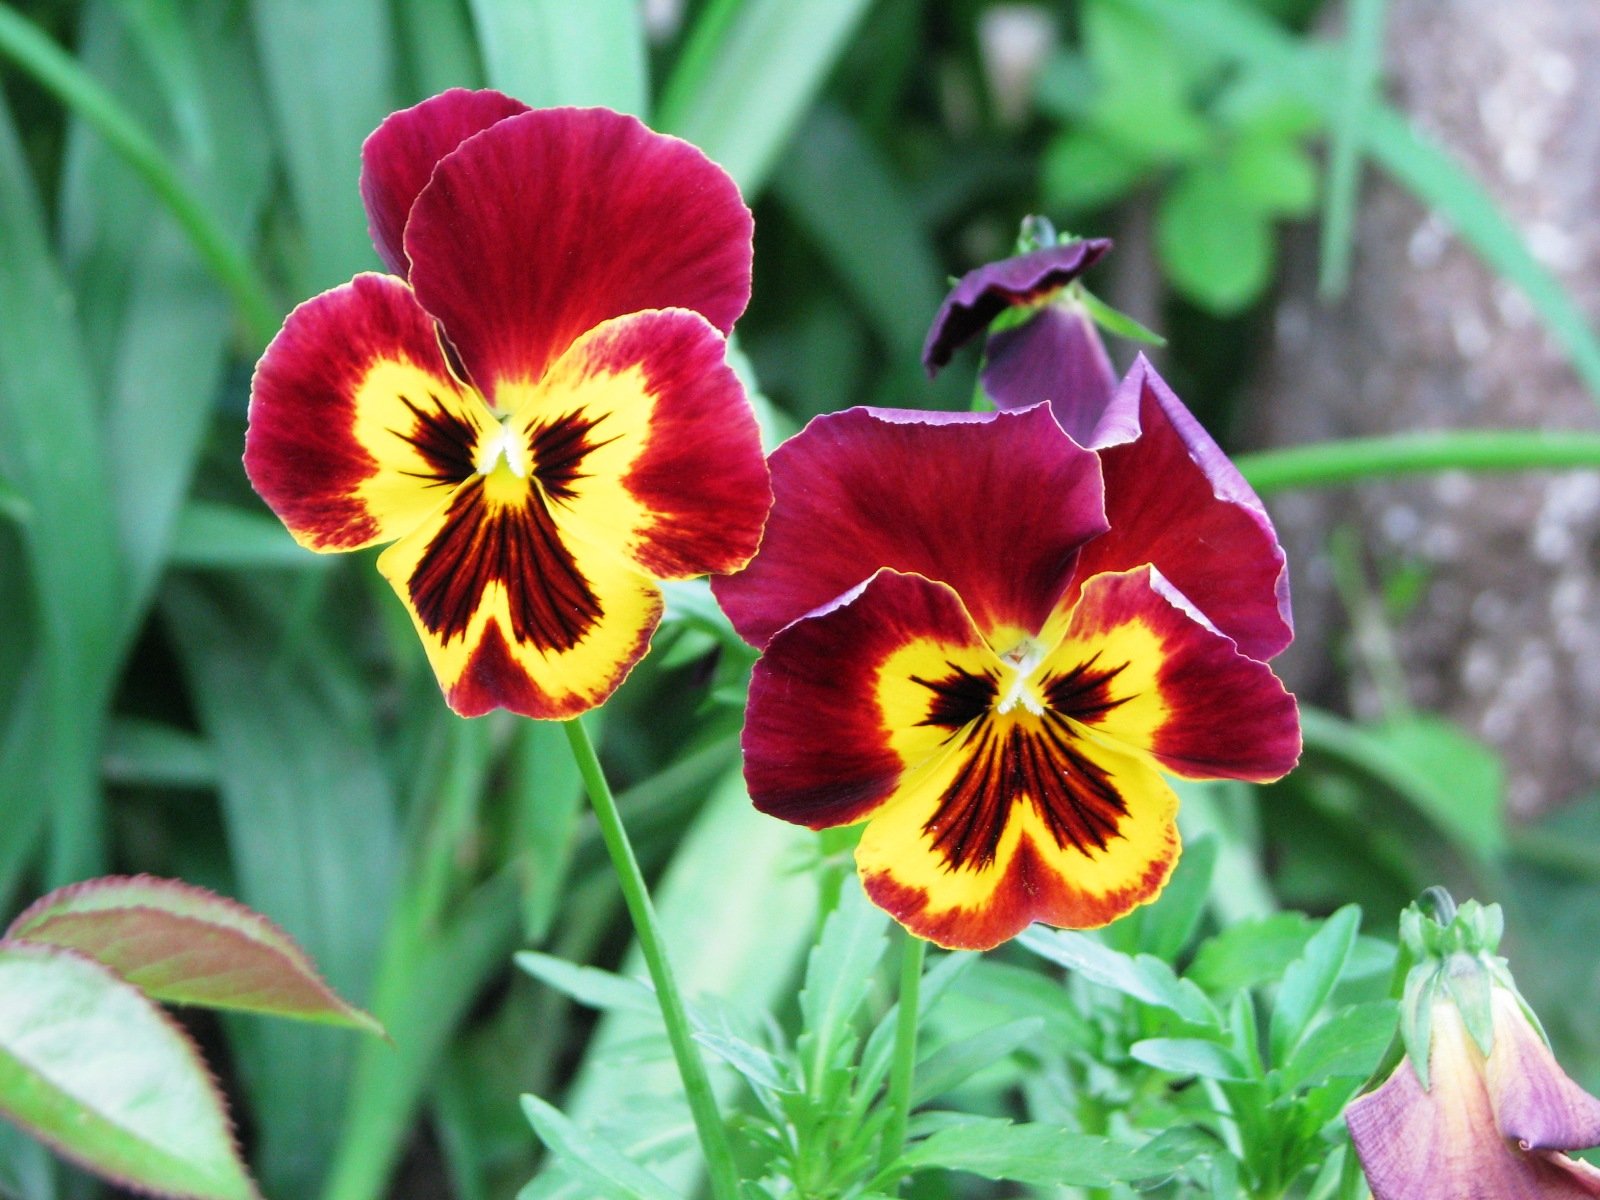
[1056, 355]
[983, 294]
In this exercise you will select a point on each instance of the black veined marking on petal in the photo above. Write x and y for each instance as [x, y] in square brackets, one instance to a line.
[443, 439]
[1084, 693]
[959, 698]
[558, 450]
[1006, 759]
[551, 604]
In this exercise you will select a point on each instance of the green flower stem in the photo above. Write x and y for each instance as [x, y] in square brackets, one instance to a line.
[696, 1084]
[904, 1063]
[56, 71]
[1330, 464]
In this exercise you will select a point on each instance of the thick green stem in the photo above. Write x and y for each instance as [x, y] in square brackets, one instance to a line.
[1330, 464]
[696, 1084]
[904, 1063]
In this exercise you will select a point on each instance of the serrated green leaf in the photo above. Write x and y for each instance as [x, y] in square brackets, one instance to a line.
[838, 974]
[95, 1069]
[589, 986]
[1251, 952]
[1191, 1056]
[1042, 1155]
[185, 945]
[1216, 248]
[1309, 981]
[952, 1065]
[1144, 978]
[592, 1158]
[761, 1067]
[1348, 1043]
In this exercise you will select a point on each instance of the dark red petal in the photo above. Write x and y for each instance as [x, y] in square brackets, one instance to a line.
[983, 294]
[399, 156]
[1179, 690]
[817, 750]
[1056, 355]
[993, 504]
[1175, 500]
[543, 226]
[358, 430]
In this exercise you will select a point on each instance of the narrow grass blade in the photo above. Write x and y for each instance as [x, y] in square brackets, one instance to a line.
[742, 94]
[1363, 63]
[553, 52]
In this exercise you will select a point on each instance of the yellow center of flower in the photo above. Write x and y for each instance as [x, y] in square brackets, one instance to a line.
[502, 444]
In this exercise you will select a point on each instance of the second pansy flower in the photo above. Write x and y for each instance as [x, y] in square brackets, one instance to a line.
[538, 414]
[962, 652]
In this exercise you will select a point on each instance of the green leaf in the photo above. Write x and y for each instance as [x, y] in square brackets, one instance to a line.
[1242, 34]
[749, 73]
[1358, 92]
[1272, 175]
[553, 52]
[1251, 953]
[838, 974]
[547, 793]
[592, 1158]
[760, 1067]
[1348, 1043]
[952, 1065]
[329, 72]
[1191, 1056]
[1452, 780]
[1146, 979]
[1215, 247]
[211, 536]
[185, 945]
[1144, 76]
[589, 986]
[1042, 1155]
[1309, 981]
[1080, 171]
[1163, 928]
[837, 188]
[96, 1070]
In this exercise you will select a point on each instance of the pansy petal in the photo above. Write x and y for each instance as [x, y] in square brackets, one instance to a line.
[1175, 500]
[1442, 1144]
[1005, 831]
[1056, 355]
[993, 504]
[358, 430]
[983, 294]
[398, 158]
[543, 226]
[1535, 1103]
[845, 704]
[643, 439]
[514, 614]
[1136, 667]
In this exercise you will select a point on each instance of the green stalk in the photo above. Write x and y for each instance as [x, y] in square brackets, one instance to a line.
[904, 1063]
[1330, 464]
[696, 1084]
[56, 71]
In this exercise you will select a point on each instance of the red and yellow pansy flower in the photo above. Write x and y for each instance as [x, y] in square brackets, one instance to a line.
[962, 651]
[535, 409]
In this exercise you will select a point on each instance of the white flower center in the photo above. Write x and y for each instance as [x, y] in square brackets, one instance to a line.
[1024, 660]
[504, 444]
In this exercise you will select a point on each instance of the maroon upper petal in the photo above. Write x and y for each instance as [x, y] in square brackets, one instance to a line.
[1056, 355]
[995, 505]
[546, 224]
[398, 158]
[1175, 500]
[983, 294]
